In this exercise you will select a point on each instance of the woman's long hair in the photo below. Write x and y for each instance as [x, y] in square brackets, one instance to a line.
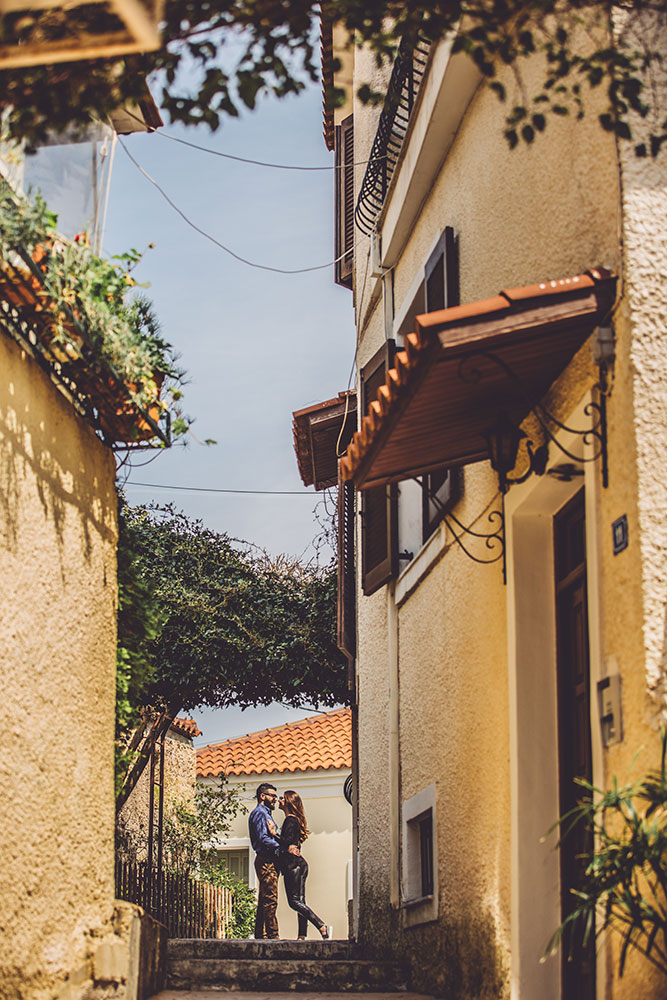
[294, 807]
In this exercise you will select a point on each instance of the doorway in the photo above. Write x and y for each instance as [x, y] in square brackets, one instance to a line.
[574, 726]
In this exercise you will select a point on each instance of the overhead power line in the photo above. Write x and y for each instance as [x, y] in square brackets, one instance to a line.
[210, 489]
[245, 159]
[217, 243]
[265, 163]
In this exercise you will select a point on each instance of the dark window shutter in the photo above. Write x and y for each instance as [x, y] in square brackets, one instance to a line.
[379, 505]
[442, 488]
[347, 628]
[344, 199]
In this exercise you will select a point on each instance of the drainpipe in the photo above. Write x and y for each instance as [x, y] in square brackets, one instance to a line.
[394, 748]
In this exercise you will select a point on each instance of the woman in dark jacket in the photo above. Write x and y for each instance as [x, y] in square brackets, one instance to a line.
[295, 867]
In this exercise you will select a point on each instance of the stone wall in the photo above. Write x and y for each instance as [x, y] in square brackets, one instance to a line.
[179, 785]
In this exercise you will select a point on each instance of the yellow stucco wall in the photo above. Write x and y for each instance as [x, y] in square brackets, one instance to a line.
[526, 215]
[57, 635]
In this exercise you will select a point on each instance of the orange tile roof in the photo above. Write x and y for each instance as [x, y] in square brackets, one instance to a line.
[187, 726]
[316, 743]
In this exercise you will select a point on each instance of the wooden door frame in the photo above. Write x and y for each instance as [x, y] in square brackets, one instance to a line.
[531, 609]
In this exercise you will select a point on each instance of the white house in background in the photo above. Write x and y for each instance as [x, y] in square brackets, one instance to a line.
[313, 757]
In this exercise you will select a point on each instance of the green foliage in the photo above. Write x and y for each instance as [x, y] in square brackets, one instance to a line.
[244, 898]
[221, 56]
[190, 827]
[93, 316]
[238, 628]
[625, 886]
[139, 624]
[189, 833]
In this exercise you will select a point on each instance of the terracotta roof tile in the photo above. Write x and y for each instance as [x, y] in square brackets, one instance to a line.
[316, 743]
[417, 383]
[187, 726]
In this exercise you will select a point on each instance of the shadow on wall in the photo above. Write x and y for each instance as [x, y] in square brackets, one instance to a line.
[42, 442]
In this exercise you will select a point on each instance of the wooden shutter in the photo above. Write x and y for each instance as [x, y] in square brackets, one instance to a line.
[344, 199]
[347, 626]
[379, 505]
[442, 488]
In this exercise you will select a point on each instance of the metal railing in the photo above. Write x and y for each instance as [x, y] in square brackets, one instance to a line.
[406, 78]
[188, 908]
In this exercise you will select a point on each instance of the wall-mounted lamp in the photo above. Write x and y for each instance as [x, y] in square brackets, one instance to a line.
[604, 346]
[503, 440]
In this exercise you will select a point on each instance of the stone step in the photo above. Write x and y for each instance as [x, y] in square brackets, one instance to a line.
[265, 974]
[187, 948]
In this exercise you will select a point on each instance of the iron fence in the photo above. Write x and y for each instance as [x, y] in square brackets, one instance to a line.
[187, 907]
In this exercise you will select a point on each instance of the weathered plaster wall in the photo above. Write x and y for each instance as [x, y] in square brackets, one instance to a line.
[180, 761]
[523, 216]
[57, 635]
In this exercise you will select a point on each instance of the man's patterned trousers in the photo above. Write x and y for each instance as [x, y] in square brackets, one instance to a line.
[266, 923]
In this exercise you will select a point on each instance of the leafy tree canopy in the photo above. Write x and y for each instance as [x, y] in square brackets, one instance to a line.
[220, 55]
[205, 622]
[237, 627]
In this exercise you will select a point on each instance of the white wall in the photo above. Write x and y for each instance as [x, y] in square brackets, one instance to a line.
[327, 851]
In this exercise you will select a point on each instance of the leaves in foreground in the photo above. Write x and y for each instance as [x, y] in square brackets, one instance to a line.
[625, 884]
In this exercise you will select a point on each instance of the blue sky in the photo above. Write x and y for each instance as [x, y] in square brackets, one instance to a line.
[256, 345]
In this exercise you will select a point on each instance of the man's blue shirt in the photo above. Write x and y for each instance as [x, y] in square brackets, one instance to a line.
[263, 831]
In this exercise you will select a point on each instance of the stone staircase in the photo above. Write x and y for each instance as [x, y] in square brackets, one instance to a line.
[275, 966]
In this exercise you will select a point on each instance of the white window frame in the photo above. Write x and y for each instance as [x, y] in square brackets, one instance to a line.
[418, 909]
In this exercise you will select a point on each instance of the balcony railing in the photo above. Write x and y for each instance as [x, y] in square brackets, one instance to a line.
[406, 78]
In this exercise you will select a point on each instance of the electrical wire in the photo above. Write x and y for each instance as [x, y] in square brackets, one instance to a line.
[245, 159]
[210, 489]
[264, 163]
[221, 246]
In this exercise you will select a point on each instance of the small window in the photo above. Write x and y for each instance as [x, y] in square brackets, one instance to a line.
[419, 884]
[379, 516]
[426, 852]
[442, 488]
[344, 203]
[236, 863]
[419, 847]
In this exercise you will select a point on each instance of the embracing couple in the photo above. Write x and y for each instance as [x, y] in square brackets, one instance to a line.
[280, 852]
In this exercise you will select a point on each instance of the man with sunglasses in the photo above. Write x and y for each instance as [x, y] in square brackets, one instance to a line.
[265, 842]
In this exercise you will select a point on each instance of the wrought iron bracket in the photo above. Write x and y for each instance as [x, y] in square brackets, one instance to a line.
[493, 540]
[595, 435]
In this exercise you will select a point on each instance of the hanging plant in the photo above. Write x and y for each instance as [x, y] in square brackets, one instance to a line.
[89, 318]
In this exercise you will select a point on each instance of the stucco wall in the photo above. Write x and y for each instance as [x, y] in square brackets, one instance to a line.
[57, 634]
[180, 761]
[523, 216]
[327, 850]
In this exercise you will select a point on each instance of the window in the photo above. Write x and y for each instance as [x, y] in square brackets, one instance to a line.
[442, 488]
[344, 203]
[426, 852]
[236, 863]
[379, 520]
[419, 887]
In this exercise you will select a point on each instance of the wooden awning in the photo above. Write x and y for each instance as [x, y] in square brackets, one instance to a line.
[463, 366]
[318, 440]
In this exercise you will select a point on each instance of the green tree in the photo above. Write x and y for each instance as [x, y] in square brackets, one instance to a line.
[235, 627]
[221, 55]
